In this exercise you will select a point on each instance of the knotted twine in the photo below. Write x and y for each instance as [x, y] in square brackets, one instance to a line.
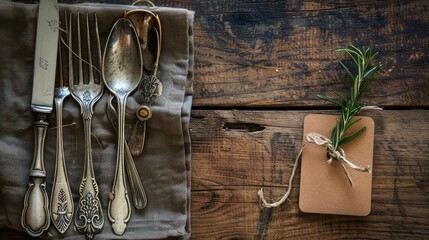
[333, 154]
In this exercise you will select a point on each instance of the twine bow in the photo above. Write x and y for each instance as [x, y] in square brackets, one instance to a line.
[339, 155]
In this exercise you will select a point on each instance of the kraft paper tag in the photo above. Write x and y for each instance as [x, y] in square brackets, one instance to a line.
[324, 187]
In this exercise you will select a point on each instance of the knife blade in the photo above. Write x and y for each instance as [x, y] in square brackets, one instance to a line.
[45, 57]
[35, 214]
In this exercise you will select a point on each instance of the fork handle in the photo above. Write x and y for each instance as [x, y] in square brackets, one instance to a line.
[35, 215]
[61, 197]
[89, 217]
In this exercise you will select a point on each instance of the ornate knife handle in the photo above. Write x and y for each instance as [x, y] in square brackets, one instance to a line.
[35, 215]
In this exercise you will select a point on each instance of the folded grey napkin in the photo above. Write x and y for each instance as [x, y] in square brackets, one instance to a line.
[164, 166]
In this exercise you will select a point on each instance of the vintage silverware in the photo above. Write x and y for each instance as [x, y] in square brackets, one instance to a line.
[136, 185]
[148, 26]
[89, 217]
[61, 204]
[122, 71]
[35, 215]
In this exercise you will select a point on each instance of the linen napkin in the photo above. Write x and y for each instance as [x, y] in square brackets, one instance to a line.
[164, 166]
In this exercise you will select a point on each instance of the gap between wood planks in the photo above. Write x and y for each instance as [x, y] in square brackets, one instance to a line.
[297, 108]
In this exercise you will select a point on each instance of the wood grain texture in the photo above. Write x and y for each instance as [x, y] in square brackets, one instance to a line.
[257, 53]
[237, 152]
[281, 53]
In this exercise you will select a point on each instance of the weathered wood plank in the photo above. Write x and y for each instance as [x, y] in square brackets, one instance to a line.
[281, 53]
[237, 152]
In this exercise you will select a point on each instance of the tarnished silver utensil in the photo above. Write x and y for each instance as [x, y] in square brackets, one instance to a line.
[89, 217]
[62, 207]
[35, 215]
[149, 31]
[136, 185]
[122, 71]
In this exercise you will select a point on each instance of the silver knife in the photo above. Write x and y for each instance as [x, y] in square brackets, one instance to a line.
[35, 215]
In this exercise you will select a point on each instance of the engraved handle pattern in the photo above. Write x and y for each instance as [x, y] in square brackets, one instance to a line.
[89, 217]
[61, 199]
[119, 210]
[35, 215]
[136, 185]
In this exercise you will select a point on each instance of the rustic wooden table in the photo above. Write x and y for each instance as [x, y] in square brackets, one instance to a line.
[259, 66]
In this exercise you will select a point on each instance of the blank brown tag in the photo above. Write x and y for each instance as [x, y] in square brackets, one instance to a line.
[324, 187]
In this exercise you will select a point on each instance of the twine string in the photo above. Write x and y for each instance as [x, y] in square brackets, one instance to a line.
[333, 154]
[75, 54]
[265, 203]
[372, 108]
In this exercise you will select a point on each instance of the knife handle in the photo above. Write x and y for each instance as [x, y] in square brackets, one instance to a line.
[35, 215]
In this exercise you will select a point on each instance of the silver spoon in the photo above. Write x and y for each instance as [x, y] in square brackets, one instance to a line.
[136, 185]
[122, 70]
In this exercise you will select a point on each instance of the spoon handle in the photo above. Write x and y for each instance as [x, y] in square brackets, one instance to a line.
[119, 209]
[136, 185]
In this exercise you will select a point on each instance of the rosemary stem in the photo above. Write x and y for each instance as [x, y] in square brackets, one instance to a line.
[364, 74]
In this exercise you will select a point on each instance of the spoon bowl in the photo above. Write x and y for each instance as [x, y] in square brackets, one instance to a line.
[122, 63]
[122, 70]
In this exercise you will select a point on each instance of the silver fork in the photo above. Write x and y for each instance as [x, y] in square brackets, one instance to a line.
[61, 198]
[89, 217]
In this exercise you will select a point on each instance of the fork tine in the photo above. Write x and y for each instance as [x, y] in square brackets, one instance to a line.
[60, 63]
[98, 48]
[70, 55]
[91, 72]
[79, 50]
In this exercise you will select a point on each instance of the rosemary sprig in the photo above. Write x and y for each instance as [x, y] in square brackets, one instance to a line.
[361, 74]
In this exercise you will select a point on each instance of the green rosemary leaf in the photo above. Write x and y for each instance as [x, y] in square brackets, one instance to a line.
[372, 56]
[354, 111]
[351, 123]
[331, 100]
[370, 76]
[359, 52]
[355, 96]
[334, 133]
[342, 98]
[337, 135]
[372, 71]
[347, 69]
[351, 53]
[347, 139]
